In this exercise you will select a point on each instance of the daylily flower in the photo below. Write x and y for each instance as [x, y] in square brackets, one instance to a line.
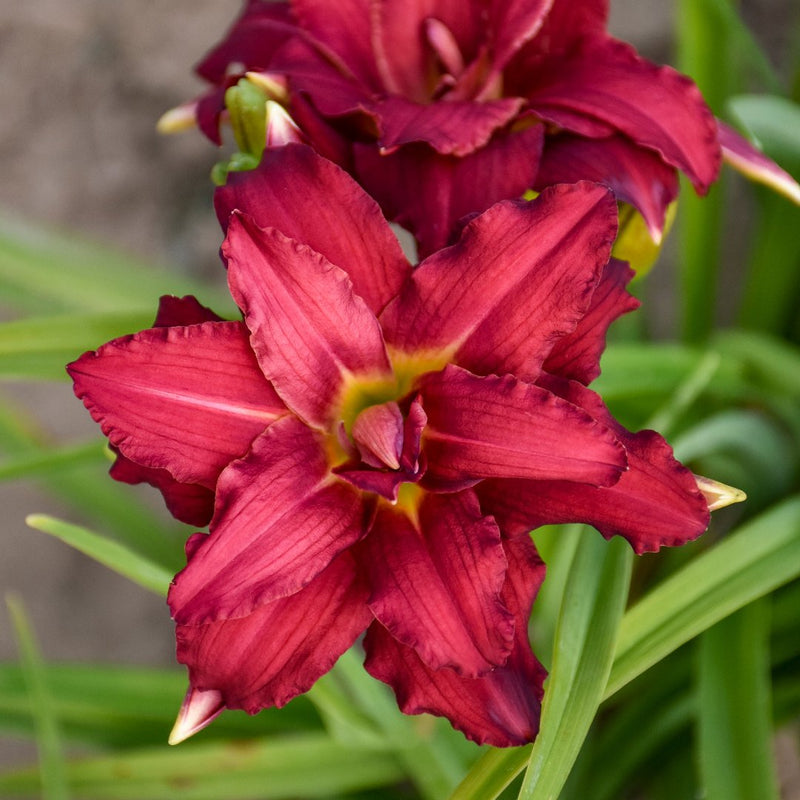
[379, 439]
[441, 108]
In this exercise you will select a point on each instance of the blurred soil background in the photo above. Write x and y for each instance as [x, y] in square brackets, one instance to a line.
[84, 82]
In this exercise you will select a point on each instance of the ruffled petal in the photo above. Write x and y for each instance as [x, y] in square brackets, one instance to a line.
[309, 330]
[451, 128]
[280, 519]
[186, 399]
[187, 502]
[521, 276]
[347, 228]
[656, 107]
[501, 708]
[635, 175]
[436, 583]
[656, 503]
[577, 355]
[280, 649]
[501, 427]
[428, 193]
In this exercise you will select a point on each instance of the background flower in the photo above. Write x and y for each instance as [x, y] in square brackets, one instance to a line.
[442, 109]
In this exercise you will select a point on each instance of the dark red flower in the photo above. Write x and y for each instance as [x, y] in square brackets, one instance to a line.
[441, 108]
[379, 439]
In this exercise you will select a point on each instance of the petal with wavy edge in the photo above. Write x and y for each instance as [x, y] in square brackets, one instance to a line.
[187, 399]
[636, 175]
[656, 503]
[187, 502]
[280, 519]
[347, 228]
[501, 708]
[436, 583]
[521, 276]
[428, 193]
[752, 163]
[577, 355]
[451, 128]
[504, 428]
[656, 107]
[280, 649]
[308, 328]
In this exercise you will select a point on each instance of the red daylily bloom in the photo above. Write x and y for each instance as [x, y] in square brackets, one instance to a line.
[379, 439]
[441, 108]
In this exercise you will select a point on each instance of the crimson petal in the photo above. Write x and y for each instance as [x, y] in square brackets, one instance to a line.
[453, 128]
[252, 40]
[188, 399]
[569, 21]
[635, 175]
[521, 276]
[280, 519]
[501, 708]
[347, 228]
[279, 650]
[436, 583]
[428, 193]
[501, 427]
[186, 310]
[577, 355]
[308, 328]
[656, 107]
[656, 503]
[345, 30]
[187, 502]
[513, 24]
[405, 59]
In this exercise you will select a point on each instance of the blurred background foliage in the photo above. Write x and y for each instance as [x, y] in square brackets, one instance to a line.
[671, 674]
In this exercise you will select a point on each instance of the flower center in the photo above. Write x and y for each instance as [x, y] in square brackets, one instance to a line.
[382, 450]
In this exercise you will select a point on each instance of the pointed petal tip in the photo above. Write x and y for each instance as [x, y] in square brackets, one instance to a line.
[719, 495]
[753, 164]
[199, 709]
[178, 119]
[281, 128]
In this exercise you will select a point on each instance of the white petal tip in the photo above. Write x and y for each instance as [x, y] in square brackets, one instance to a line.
[718, 495]
[178, 119]
[281, 128]
[199, 709]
